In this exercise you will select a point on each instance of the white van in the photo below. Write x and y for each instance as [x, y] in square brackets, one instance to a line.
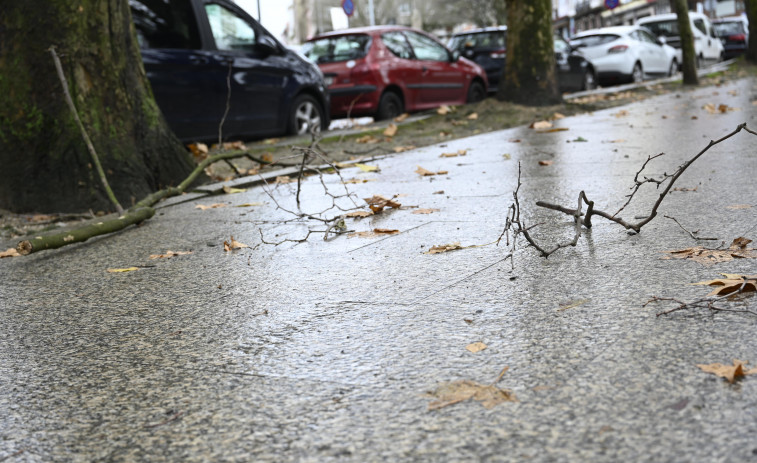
[707, 45]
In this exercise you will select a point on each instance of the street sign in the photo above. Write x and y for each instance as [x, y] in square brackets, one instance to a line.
[349, 7]
[611, 4]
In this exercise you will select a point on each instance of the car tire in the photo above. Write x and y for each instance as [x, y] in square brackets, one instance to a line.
[476, 93]
[673, 68]
[589, 81]
[637, 75]
[390, 106]
[305, 114]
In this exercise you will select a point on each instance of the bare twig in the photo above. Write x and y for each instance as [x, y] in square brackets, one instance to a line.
[691, 234]
[708, 303]
[87, 141]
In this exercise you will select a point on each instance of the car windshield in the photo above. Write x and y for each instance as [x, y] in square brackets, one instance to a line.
[493, 40]
[726, 29]
[339, 48]
[666, 28]
[593, 40]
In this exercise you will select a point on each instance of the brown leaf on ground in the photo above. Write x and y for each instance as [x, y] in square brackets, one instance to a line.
[556, 129]
[540, 125]
[472, 116]
[234, 145]
[401, 117]
[231, 190]
[730, 372]
[705, 256]
[476, 347]
[391, 130]
[199, 150]
[11, 252]
[453, 155]
[169, 254]
[270, 141]
[425, 211]
[444, 248]
[621, 113]
[440, 192]
[367, 139]
[739, 206]
[385, 231]
[400, 149]
[426, 173]
[557, 116]
[283, 180]
[353, 181]
[377, 203]
[545, 163]
[233, 244]
[375, 233]
[202, 207]
[122, 270]
[359, 214]
[367, 167]
[249, 205]
[444, 133]
[267, 157]
[444, 109]
[731, 284]
[459, 391]
[514, 140]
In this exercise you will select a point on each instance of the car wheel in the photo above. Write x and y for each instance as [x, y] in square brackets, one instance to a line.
[589, 81]
[476, 92]
[390, 106]
[673, 68]
[306, 114]
[637, 75]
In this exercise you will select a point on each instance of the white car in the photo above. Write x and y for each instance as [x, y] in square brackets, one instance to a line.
[625, 53]
[707, 45]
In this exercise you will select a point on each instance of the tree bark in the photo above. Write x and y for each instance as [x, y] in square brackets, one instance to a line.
[689, 57]
[751, 14]
[45, 163]
[529, 74]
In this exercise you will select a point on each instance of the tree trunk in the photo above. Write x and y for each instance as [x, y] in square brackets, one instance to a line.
[689, 57]
[529, 74]
[751, 14]
[44, 163]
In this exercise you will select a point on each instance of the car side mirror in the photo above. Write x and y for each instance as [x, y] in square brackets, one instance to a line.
[454, 56]
[662, 40]
[266, 46]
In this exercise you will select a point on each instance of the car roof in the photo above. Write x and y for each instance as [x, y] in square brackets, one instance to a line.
[369, 30]
[668, 17]
[481, 30]
[607, 30]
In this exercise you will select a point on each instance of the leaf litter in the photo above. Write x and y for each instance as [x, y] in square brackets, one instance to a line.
[732, 283]
[169, 254]
[489, 395]
[730, 372]
[233, 244]
[705, 256]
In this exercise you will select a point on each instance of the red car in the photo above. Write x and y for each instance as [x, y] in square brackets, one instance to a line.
[384, 71]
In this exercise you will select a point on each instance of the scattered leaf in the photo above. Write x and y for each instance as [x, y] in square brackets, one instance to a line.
[731, 284]
[385, 231]
[400, 149]
[739, 206]
[459, 123]
[476, 347]
[444, 248]
[233, 244]
[283, 179]
[230, 190]
[358, 180]
[556, 129]
[452, 155]
[580, 139]
[252, 172]
[472, 116]
[203, 207]
[267, 157]
[271, 141]
[367, 139]
[199, 150]
[367, 168]
[11, 252]
[730, 372]
[443, 133]
[377, 203]
[454, 392]
[514, 140]
[572, 305]
[169, 254]
[391, 130]
[444, 109]
[425, 211]
[683, 188]
[359, 214]
[440, 192]
[249, 205]
[122, 270]
[621, 113]
[401, 117]
[424, 172]
[234, 145]
[545, 163]
[507, 156]
[540, 125]
[557, 116]
[706, 256]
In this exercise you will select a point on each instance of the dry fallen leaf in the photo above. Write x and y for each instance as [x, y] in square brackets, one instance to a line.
[557, 116]
[731, 284]
[459, 391]
[476, 347]
[730, 372]
[507, 156]
[11, 252]
[426, 173]
[621, 113]
[230, 190]
[202, 207]
[122, 270]
[283, 179]
[739, 206]
[425, 211]
[377, 203]
[473, 116]
[705, 256]
[271, 141]
[540, 125]
[367, 139]
[249, 205]
[375, 233]
[444, 248]
[391, 130]
[444, 109]
[358, 180]
[545, 163]
[169, 254]
[359, 214]
[400, 149]
[199, 150]
[367, 168]
[268, 157]
[452, 155]
[443, 133]
[401, 117]
[234, 145]
[556, 129]
[233, 244]
[385, 231]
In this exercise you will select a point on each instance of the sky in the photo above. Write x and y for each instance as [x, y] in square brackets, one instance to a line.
[275, 14]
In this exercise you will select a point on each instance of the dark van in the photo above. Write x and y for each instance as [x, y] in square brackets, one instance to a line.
[195, 51]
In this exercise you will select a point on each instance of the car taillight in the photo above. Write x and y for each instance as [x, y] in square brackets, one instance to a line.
[737, 37]
[618, 49]
[499, 54]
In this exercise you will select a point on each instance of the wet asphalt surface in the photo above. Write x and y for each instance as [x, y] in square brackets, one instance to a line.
[326, 350]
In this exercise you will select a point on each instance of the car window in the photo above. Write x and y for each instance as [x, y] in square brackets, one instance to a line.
[335, 49]
[666, 28]
[230, 31]
[730, 28]
[699, 24]
[561, 46]
[426, 48]
[647, 37]
[493, 40]
[165, 24]
[594, 40]
[397, 44]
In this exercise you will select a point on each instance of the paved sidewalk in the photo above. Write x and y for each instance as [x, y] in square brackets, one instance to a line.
[326, 351]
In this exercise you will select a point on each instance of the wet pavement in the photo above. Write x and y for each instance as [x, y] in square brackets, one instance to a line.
[327, 350]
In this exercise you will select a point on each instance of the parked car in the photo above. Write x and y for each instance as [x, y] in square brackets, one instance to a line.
[383, 71]
[191, 48]
[626, 53]
[734, 33]
[488, 48]
[707, 45]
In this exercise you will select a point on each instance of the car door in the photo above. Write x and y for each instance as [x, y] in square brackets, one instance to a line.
[183, 80]
[256, 79]
[657, 57]
[439, 80]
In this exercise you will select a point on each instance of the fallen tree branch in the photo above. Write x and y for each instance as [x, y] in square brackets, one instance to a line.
[708, 303]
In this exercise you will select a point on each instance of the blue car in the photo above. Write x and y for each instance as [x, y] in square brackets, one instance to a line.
[201, 54]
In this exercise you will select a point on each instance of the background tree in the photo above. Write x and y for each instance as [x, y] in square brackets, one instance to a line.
[751, 14]
[45, 163]
[689, 58]
[529, 74]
